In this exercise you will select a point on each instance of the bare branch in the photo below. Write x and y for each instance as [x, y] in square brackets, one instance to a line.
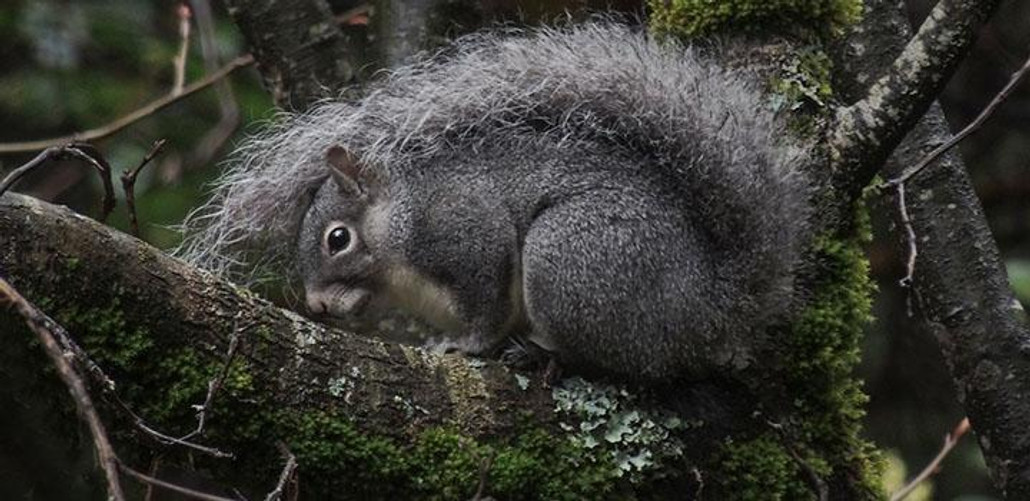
[975, 125]
[899, 182]
[147, 479]
[950, 441]
[129, 184]
[134, 116]
[868, 131]
[215, 384]
[184, 46]
[83, 152]
[83, 403]
[215, 138]
[286, 475]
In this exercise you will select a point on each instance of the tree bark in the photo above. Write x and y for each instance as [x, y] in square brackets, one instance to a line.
[959, 279]
[870, 129]
[965, 299]
[299, 47]
[306, 52]
[181, 304]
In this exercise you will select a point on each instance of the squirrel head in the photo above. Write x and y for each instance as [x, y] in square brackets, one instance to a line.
[339, 238]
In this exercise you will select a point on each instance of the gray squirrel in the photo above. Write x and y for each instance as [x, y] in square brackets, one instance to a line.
[631, 206]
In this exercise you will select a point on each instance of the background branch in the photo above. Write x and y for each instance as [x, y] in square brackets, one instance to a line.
[867, 131]
[122, 122]
[962, 285]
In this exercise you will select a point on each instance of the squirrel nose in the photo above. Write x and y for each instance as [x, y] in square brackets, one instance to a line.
[315, 304]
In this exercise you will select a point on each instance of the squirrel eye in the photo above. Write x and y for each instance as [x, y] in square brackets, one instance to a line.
[337, 239]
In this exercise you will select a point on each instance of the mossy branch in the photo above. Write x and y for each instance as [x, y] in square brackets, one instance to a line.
[390, 421]
[90, 265]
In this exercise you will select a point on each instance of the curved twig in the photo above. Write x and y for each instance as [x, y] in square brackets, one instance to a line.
[83, 403]
[133, 117]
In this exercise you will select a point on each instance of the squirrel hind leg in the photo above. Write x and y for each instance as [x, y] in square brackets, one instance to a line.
[619, 293]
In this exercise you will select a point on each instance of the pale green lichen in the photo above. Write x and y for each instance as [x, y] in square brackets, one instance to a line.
[522, 382]
[606, 422]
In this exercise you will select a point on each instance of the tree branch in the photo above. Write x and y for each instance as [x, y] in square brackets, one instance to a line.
[299, 47]
[867, 132]
[133, 117]
[959, 278]
[968, 304]
[185, 305]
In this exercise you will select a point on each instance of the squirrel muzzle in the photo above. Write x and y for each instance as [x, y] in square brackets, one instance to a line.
[337, 301]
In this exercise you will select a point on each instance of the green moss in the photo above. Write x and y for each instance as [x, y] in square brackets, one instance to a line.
[802, 87]
[336, 456]
[820, 354]
[761, 469]
[140, 362]
[439, 464]
[107, 335]
[823, 351]
[687, 19]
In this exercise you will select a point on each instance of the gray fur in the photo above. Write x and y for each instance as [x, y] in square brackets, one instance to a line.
[638, 200]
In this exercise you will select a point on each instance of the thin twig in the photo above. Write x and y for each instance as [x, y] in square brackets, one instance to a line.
[179, 62]
[913, 248]
[79, 356]
[484, 469]
[950, 440]
[229, 111]
[129, 184]
[166, 439]
[813, 476]
[286, 475]
[969, 129]
[92, 156]
[85, 363]
[147, 479]
[40, 159]
[134, 116]
[910, 232]
[214, 385]
[155, 465]
[83, 403]
[898, 183]
[79, 151]
[817, 483]
[484, 477]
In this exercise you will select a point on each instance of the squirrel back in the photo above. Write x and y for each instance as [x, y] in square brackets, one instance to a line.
[641, 195]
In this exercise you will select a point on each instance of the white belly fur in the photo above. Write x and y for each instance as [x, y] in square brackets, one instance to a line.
[418, 294]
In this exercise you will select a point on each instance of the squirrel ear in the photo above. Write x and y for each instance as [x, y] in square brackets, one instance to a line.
[345, 170]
